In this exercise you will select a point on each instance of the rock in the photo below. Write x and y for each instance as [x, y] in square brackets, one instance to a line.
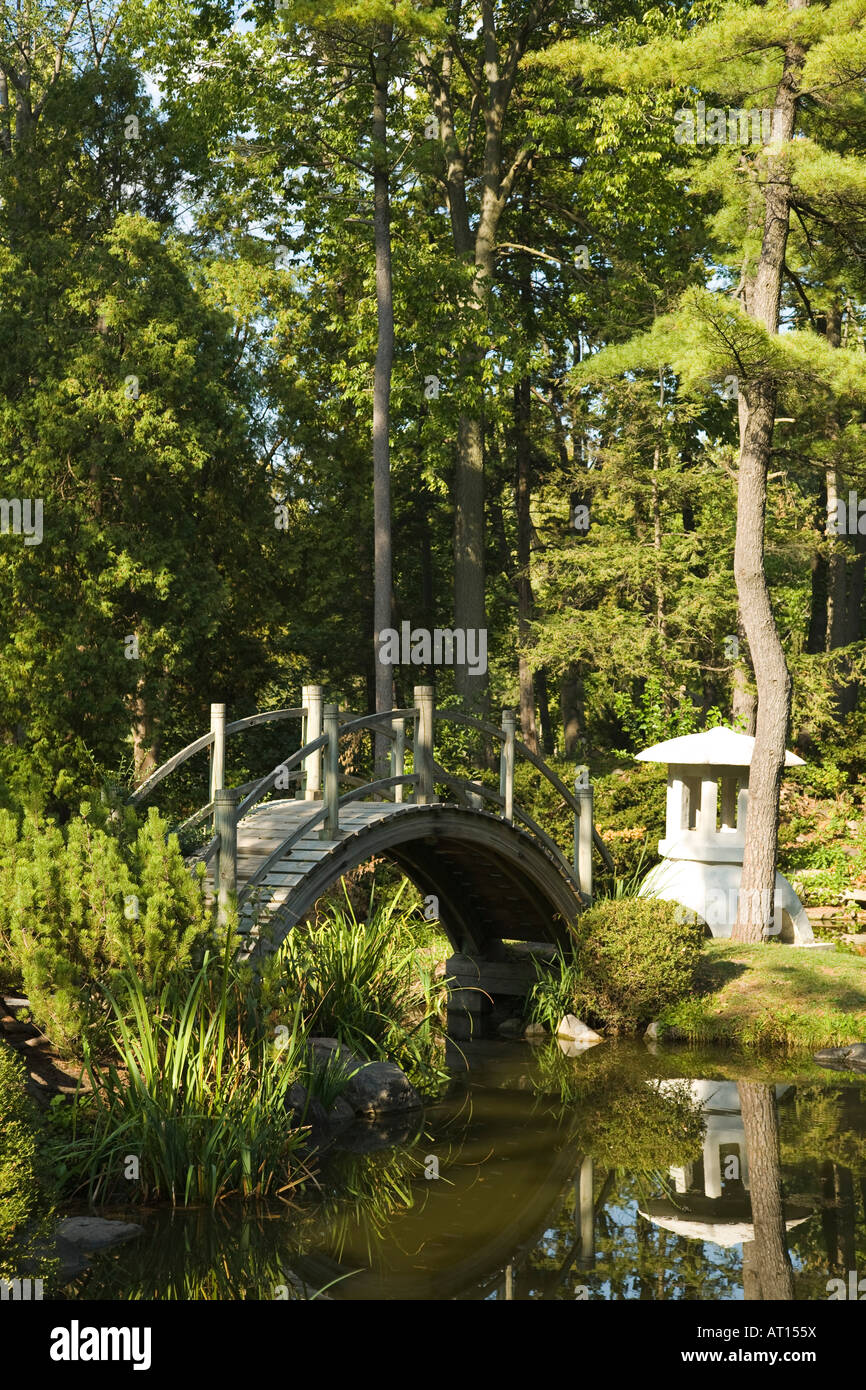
[575, 1030]
[535, 1030]
[331, 1051]
[511, 1028]
[380, 1088]
[575, 1049]
[851, 1058]
[373, 1088]
[654, 1031]
[305, 1110]
[91, 1233]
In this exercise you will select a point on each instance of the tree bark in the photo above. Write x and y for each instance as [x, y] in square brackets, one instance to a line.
[548, 742]
[571, 709]
[744, 701]
[769, 1274]
[757, 415]
[525, 602]
[494, 86]
[382, 564]
[145, 745]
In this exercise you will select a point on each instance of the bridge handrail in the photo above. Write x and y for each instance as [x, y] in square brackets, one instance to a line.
[484, 726]
[261, 788]
[199, 744]
[309, 823]
[252, 721]
[198, 816]
[570, 799]
[349, 721]
[456, 716]
[478, 787]
[156, 777]
[265, 784]
[206, 853]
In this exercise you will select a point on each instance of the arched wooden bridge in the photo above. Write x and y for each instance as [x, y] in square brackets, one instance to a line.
[496, 874]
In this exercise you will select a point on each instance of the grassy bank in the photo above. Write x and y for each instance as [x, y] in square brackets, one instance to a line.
[772, 996]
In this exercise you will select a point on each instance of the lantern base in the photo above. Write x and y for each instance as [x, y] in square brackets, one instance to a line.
[711, 891]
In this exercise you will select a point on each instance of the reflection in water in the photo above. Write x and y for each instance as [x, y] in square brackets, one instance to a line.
[617, 1174]
[740, 1122]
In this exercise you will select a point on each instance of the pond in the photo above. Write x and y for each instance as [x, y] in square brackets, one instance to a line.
[623, 1172]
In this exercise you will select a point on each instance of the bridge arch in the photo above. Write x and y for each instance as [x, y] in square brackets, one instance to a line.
[493, 881]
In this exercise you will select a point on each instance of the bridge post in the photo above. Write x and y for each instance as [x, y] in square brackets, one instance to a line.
[218, 749]
[226, 827]
[332, 766]
[424, 697]
[583, 831]
[506, 763]
[311, 699]
[398, 753]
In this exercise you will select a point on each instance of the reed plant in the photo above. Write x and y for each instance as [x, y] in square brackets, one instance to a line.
[364, 983]
[194, 1108]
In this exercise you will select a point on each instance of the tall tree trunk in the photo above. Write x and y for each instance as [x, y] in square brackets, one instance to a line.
[382, 578]
[525, 604]
[854, 626]
[757, 415]
[744, 701]
[769, 1268]
[145, 747]
[571, 709]
[816, 639]
[548, 742]
[476, 247]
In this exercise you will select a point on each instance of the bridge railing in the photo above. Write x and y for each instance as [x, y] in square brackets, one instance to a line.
[314, 769]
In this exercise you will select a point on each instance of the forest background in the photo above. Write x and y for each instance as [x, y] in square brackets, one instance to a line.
[314, 316]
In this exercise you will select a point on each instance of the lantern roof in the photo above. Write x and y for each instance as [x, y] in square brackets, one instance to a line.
[720, 747]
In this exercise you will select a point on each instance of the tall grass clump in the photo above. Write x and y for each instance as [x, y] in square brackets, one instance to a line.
[197, 1094]
[364, 983]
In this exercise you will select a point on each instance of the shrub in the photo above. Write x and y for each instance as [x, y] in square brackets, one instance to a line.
[88, 902]
[18, 1178]
[629, 960]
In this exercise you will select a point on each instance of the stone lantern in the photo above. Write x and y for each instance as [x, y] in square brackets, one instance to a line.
[705, 832]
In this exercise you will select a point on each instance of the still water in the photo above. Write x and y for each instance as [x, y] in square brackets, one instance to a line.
[618, 1173]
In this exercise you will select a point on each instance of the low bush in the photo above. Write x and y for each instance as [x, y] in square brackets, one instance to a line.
[18, 1145]
[84, 903]
[630, 959]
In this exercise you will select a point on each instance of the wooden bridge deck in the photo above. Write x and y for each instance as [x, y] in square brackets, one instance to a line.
[267, 826]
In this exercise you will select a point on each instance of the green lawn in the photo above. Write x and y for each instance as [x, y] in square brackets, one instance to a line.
[773, 996]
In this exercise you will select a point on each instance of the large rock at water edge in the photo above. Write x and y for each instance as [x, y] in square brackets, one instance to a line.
[373, 1088]
[851, 1058]
[575, 1030]
[95, 1233]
